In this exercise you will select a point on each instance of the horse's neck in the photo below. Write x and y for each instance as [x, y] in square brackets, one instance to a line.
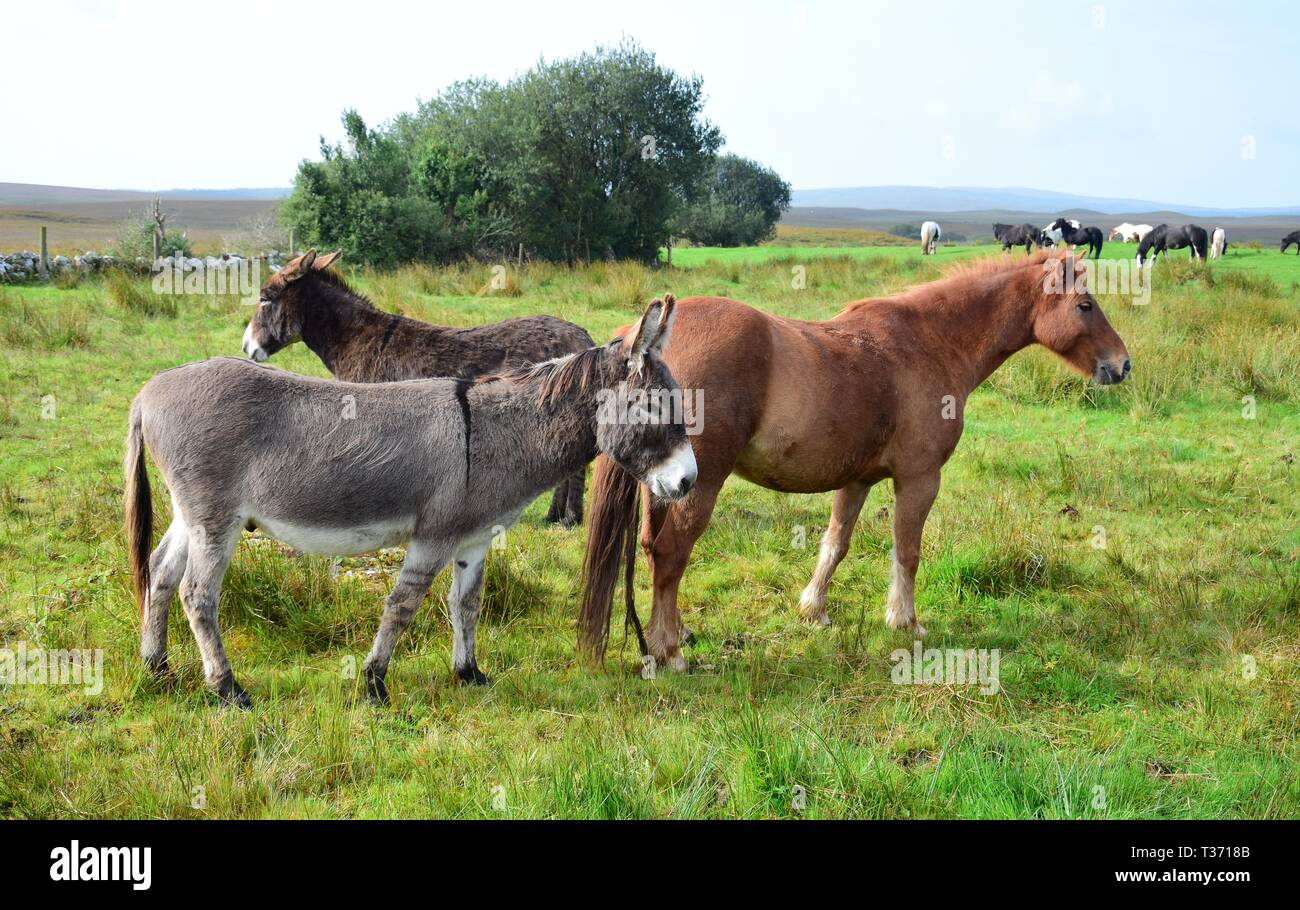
[336, 326]
[969, 332]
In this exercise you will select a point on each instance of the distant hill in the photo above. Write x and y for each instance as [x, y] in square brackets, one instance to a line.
[80, 219]
[28, 195]
[1010, 199]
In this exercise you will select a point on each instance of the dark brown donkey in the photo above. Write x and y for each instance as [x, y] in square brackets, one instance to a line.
[808, 407]
[358, 342]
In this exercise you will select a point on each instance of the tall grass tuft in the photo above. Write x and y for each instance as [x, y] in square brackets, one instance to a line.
[25, 326]
[133, 296]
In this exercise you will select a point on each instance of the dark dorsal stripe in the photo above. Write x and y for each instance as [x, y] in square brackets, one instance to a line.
[462, 396]
[388, 332]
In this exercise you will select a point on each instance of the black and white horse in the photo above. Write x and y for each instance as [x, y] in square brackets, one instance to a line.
[1010, 235]
[1052, 233]
[1293, 237]
[1073, 234]
[1164, 238]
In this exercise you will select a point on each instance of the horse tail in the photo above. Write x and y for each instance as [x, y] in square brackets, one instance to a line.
[138, 506]
[611, 543]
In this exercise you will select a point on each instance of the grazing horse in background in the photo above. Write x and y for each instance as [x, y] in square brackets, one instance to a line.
[440, 465]
[1164, 238]
[1053, 234]
[358, 342]
[1015, 235]
[1129, 233]
[1293, 237]
[1218, 243]
[930, 235]
[1071, 233]
[812, 406]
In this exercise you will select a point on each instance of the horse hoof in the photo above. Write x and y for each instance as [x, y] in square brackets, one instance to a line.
[896, 619]
[676, 663]
[686, 636]
[474, 676]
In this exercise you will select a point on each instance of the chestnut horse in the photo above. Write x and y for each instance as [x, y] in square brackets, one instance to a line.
[809, 407]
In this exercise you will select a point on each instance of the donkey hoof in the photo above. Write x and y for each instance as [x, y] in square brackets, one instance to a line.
[376, 691]
[474, 676]
[158, 668]
[233, 695]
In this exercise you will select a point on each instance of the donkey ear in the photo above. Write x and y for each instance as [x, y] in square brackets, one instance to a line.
[644, 332]
[664, 331]
[327, 260]
[299, 267]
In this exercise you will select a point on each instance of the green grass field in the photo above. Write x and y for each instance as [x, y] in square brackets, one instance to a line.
[1154, 676]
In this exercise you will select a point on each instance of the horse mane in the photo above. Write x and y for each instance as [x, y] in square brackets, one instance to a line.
[556, 378]
[964, 273]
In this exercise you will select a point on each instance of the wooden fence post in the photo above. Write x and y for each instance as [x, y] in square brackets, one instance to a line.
[45, 257]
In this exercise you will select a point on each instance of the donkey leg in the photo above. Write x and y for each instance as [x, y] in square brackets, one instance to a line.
[913, 498]
[464, 602]
[208, 556]
[573, 507]
[166, 569]
[835, 543]
[558, 497]
[423, 563]
[668, 535]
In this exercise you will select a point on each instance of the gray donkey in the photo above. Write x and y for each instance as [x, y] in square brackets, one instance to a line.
[343, 468]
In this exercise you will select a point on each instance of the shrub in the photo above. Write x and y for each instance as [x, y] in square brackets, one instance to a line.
[134, 240]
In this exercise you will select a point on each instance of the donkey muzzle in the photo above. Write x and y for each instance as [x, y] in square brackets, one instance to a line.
[674, 478]
[251, 348]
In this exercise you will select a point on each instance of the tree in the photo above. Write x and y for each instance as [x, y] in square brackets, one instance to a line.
[741, 204]
[582, 158]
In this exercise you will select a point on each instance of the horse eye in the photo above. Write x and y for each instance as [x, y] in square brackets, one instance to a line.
[1084, 306]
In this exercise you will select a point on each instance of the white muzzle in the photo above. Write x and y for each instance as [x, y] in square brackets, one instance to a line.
[251, 347]
[674, 478]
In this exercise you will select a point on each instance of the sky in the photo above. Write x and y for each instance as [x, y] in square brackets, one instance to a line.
[1193, 103]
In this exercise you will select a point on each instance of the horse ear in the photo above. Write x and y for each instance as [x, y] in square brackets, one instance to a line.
[324, 262]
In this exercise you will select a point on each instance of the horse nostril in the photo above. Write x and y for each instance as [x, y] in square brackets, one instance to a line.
[1127, 366]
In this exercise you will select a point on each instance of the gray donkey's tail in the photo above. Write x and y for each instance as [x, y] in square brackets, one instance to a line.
[138, 506]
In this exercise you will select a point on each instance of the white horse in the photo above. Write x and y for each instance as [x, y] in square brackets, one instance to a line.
[1130, 233]
[930, 235]
[1218, 243]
